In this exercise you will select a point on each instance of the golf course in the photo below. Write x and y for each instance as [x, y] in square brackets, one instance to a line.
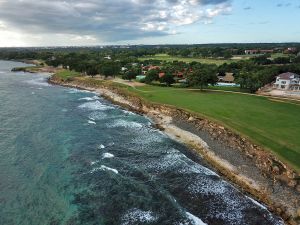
[168, 58]
[271, 123]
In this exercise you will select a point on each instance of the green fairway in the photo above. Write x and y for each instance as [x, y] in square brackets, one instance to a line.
[165, 57]
[228, 88]
[66, 74]
[277, 55]
[272, 124]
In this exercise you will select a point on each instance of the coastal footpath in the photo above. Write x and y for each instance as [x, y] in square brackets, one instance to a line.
[250, 167]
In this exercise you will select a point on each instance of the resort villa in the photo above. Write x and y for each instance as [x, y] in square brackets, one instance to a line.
[288, 81]
[228, 78]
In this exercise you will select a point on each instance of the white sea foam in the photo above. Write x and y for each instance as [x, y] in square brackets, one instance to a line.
[90, 98]
[124, 123]
[94, 162]
[234, 205]
[107, 155]
[128, 112]
[208, 186]
[195, 219]
[33, 93]
[74, 91]
[96, 105]
[148, 139]
[173, 158]
[96, 115]
[91, 122]
[138, 216]
[40, 82]
[104, 168]
[101, 146]
[257, 203]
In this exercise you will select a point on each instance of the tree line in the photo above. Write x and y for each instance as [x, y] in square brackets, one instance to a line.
[251, 74]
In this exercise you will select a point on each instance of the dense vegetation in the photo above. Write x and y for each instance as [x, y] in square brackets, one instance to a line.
[199, 65]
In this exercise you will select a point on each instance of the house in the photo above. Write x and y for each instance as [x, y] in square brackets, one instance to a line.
[179, 74]
[140, 77]
[145, 69]
[256, 51]
[161, 74]
[290, 51]
[266, 51]
[153, 68]
[228, 78]
[251, 52]
[288, 81]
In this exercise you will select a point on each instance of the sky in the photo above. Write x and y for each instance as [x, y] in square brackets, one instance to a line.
[107, 22]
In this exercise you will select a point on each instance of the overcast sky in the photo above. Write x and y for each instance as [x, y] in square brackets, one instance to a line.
[97, 22]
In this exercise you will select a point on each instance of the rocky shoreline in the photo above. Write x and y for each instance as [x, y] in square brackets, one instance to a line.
[254, 170]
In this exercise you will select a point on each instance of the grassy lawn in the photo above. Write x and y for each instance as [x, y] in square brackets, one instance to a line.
[66, 74]
[274, 125]
[165, 57]
[224, 88]
[277, 55]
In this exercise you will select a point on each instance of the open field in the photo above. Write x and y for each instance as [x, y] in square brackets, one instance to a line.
[274, 125]
[277, 55]
[273, 56]
[66, 74]
[224, 88]
[165, 57]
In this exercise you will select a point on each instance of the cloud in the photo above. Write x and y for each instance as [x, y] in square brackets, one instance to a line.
[2, 25]
[107, 20]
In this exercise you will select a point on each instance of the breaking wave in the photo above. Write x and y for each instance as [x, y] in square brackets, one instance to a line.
[107, 155]
[124, 123]
[97, 105]
[40, 82]
[91, 122]
[90, 98]
[137, 216]
[104, 168]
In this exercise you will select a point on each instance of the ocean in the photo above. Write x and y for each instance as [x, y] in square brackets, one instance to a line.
[70, 157]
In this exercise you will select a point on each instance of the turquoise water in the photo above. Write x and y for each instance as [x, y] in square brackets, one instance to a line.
[70, 157]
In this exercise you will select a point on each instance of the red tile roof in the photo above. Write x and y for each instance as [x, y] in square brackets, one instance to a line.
[287, 76]
[160, 75]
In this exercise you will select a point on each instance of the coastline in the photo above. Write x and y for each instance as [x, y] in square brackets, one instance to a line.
[250, 168]
[253, 170]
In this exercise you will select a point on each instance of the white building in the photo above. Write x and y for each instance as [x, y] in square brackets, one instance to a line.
[288, 81]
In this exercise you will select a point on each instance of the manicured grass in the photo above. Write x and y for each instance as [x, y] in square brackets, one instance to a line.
[277, 55]
[224, 88]
[168, 58]
[272, 124]
[66, 74]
